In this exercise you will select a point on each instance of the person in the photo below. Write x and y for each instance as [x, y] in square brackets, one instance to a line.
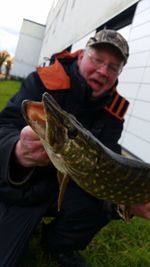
[84, 84]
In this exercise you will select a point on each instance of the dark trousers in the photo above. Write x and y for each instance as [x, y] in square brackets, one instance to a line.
[80, 218]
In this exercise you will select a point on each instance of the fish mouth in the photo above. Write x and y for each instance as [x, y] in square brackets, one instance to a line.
[63, 120]
[46, 119]
[52, 108]
[56, 131]
[53, 125]
[34, 114]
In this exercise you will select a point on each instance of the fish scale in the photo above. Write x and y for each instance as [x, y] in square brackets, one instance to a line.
[79, 155]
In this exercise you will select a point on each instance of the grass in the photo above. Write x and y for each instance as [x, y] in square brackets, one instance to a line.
[7, 89]
[117, 245]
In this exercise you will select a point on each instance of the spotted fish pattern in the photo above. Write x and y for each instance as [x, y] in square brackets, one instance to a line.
[80, 156]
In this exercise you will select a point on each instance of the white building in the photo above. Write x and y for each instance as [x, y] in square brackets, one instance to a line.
[135, 85]
[69, 25]
[28, 48]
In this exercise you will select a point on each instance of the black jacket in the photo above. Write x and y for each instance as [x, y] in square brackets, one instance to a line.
[26, 186]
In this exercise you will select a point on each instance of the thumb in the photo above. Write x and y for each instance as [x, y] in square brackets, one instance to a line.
[27, 133]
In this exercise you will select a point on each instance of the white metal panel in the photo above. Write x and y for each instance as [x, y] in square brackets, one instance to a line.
[21, 69]
[143, 6]
[144, 93]
[138, 59]
[134, 75]
[142, 110]
[139, 128]
[128, 90]
[28, 49]
[142, 17]
[139, 45]
[135, 92]
[141, 30]
[146, 77]
[137, 146]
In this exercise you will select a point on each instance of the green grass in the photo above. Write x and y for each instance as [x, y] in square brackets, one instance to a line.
[7, 89]
[117, 245]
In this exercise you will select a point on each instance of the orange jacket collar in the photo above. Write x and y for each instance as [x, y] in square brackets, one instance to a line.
[54, 76]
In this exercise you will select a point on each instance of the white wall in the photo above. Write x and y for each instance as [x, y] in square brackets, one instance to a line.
[135, 85]
[28, 48]
[72, 20]
[81, 43]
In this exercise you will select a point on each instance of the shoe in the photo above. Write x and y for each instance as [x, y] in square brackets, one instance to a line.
[69, 259]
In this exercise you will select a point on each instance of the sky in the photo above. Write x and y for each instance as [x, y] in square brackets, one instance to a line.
[12, 15]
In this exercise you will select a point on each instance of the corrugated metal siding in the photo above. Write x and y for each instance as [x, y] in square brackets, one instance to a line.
[135, 85]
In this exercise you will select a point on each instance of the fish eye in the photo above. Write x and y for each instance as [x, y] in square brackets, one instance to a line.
[72, 132]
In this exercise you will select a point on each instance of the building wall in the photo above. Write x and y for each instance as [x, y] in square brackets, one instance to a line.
[72, 20]
[135, 85]
[28, 48]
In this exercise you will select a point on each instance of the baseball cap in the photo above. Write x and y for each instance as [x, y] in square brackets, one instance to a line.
[113, 38]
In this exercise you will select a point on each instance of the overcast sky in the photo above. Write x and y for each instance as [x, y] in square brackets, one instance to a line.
[12, 15]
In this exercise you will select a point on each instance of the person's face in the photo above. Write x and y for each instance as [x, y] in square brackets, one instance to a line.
[100, 68]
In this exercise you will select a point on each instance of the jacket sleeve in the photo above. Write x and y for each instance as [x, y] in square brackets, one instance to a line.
[11, 123]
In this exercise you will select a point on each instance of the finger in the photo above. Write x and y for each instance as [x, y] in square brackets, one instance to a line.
[27, 133]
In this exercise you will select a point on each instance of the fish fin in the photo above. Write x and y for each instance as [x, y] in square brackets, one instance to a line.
[63, 181]
[124, 212]
[60, 177]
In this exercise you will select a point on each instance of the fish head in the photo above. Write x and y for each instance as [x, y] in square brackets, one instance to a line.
[61, 127]
[56, 128]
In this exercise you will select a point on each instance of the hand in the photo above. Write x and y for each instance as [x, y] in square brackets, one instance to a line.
[141, 210]
[29, 150]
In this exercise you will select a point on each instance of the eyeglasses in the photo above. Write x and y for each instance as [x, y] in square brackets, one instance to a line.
[111, 68]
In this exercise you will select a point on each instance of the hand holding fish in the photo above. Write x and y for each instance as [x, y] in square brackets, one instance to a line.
[141, 210]
[29, 150]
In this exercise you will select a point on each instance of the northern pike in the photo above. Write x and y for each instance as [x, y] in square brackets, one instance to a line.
[78, 155]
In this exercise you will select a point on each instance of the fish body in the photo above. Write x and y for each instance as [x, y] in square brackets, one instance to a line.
[79, 155]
